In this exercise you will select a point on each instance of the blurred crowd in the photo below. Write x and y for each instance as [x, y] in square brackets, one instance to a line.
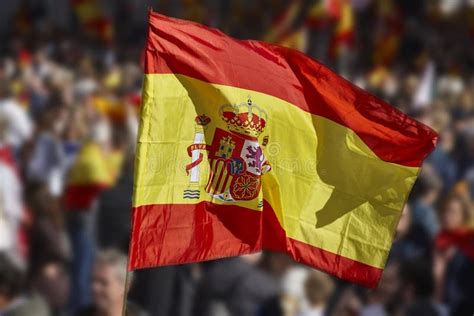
[70, 83]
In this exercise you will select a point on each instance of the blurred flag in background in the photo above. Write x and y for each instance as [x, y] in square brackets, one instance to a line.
[343, 36]
[387, 34]
[93, 171]
[94, 20]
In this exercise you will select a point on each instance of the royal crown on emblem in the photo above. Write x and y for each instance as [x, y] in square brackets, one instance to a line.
[244, 118]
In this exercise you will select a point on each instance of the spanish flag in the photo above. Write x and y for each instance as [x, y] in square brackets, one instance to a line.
[343, 37]
[93, 19]
[323, 13]
[245, 146]
[92, 172]
[388, 34]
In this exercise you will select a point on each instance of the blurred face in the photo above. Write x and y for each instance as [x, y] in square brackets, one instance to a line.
[107, 287]
[53, 284]
[453, 215]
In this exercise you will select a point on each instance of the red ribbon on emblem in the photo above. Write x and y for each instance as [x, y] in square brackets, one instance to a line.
[191, 148]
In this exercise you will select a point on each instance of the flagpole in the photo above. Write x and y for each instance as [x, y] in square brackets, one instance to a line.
[125, 292]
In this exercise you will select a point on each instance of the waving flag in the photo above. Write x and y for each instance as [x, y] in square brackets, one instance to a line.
[245, 146]
[92, 17]
[92, 172]
[343, 37]
[388, 33]
[323, 13]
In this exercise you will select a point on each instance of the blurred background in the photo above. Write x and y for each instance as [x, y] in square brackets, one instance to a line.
[70, 82]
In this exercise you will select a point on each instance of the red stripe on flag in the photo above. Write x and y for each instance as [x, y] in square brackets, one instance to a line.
[184, 233]
[182, 47]
[342, 267]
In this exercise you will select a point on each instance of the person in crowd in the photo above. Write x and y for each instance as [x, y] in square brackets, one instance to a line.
[19, 126]
[411, 240]
[49, 249]
[175, 287]
[235, 286]
[454, 254]
[47, 161]
[318, 290]
[425, 194]
[93, 171]
[15, 300]
[109, 285]
[51, 279]
[11, 202]
[383, 300]
[417, 290]
[69, 111]
[443, 161]
[47, 231]
[291, 299]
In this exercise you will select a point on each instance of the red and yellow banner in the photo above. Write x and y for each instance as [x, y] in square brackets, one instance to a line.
[93, 19]
[343, 37]
[245, 146]
[93, 171]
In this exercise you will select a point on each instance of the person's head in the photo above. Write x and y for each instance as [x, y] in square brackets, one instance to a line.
[349, 302]
[318, 288]
[427, 187]
[51, 280]
[109, 280]
[455, 213]
[12, 278]
[417, 281]
[276, 263]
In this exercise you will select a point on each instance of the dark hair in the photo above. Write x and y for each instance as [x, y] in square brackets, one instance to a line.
[425, 183]
[418, 273]
[12, 276]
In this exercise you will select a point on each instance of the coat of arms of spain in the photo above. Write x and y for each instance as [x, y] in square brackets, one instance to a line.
[235, 157]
